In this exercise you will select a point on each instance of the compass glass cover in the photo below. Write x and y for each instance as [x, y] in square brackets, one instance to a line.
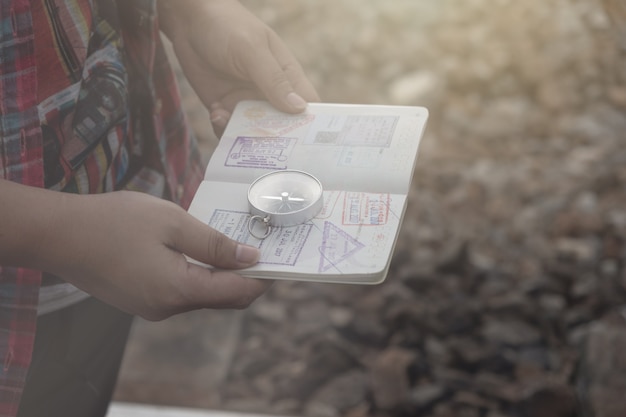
[284, 192]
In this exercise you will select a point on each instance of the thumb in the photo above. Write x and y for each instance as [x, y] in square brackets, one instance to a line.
[207, 245]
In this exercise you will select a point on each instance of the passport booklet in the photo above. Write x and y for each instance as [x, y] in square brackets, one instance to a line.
[322, 194]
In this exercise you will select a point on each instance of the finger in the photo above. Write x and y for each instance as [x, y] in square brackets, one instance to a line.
[219, 119]
[209, 246]
[222, 289]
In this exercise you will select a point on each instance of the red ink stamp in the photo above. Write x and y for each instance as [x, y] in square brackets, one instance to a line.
[365, 209]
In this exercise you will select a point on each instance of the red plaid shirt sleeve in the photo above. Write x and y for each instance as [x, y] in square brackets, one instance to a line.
[173, 154]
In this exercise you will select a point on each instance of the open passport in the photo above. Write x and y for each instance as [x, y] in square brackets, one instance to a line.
[334, 181]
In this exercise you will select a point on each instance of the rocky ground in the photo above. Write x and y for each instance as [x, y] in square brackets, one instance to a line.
[506, 294]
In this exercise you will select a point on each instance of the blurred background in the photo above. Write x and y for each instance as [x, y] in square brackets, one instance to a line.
[507, 289]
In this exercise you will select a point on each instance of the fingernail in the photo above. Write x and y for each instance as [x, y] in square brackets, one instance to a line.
[296, 101]
[247, 254]
[216, 118]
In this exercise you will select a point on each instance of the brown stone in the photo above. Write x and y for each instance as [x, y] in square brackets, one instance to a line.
[389, 378]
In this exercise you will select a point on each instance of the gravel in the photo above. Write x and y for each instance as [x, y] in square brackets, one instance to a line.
[506, 290]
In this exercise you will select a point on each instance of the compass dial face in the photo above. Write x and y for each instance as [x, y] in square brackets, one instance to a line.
[285, 192]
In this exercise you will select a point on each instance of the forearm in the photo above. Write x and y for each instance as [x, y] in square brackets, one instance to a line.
[30, 220]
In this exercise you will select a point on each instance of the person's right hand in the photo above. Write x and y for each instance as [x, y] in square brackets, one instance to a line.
[127, 249]
[228, 55]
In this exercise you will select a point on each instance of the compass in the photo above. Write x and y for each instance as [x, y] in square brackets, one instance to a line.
[283, 198]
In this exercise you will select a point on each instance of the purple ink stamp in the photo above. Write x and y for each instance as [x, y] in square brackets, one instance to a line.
[284, 245]
[233, 224]
[260, 152]
[337, 246]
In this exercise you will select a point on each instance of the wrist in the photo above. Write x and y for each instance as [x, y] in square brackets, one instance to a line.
[31, 221]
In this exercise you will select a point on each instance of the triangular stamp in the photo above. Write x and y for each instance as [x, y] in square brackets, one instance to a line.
[337, 246]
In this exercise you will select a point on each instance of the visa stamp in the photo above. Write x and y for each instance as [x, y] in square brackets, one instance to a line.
[258, 118]
[366, 209]
[351, 130]
[233, 224]
[260, 152]
[331, 202]
[282, 247]
[337, 247]
[361, 157]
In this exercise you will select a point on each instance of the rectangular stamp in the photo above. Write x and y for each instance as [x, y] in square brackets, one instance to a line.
[257, 118]
[370, 131]
[341, 130]
[282, 247]
[260, 152]
[366, 209]
[360, 157]
[332, 200]
[233, 224]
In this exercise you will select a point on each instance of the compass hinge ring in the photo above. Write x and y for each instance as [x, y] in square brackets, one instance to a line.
[265, 222]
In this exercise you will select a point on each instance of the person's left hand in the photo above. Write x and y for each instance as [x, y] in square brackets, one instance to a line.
[228, 54]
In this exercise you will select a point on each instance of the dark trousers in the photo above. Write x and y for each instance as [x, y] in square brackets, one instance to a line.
[76, 359]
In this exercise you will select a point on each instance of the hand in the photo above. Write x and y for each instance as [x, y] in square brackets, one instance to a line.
[126, 249]
[228, 54]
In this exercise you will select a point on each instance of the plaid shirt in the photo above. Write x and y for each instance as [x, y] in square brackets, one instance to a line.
[88, 104]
